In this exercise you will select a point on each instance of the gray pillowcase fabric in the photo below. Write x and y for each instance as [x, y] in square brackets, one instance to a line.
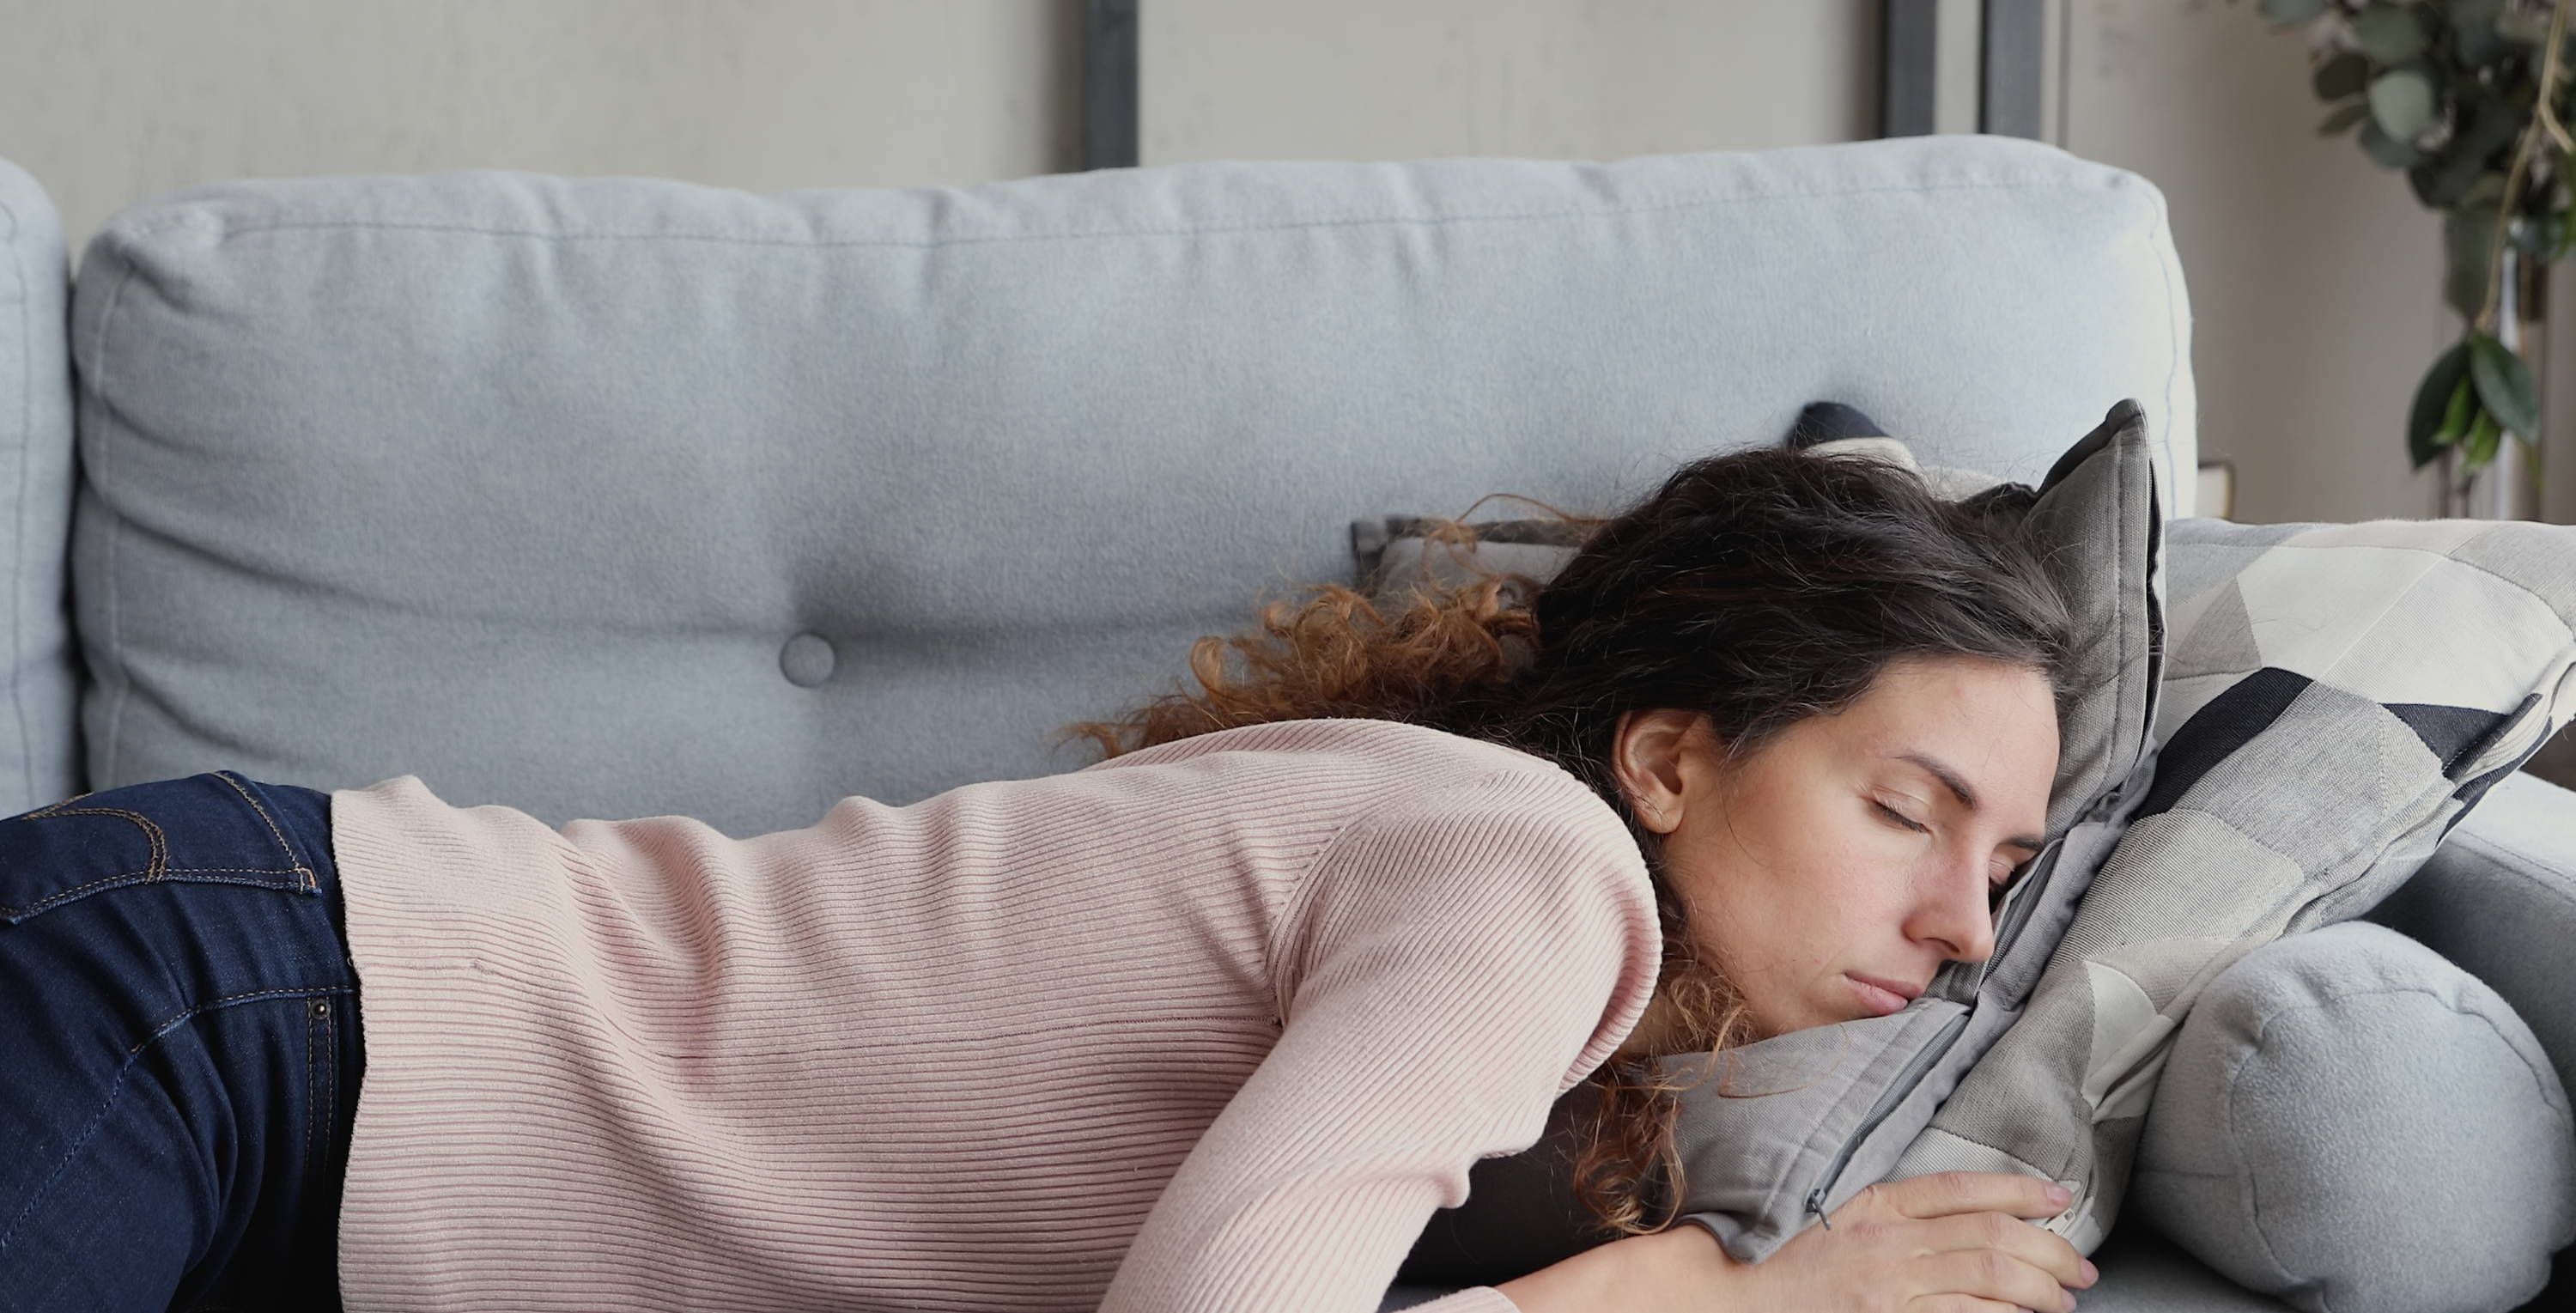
[2440, 1183]
[2336, 698]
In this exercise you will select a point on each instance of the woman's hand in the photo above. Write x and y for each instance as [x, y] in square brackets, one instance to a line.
[1953, 1242]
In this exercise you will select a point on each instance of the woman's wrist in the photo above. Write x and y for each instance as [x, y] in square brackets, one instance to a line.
[1677, 1270]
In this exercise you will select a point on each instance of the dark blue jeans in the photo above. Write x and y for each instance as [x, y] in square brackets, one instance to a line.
[179, 1053]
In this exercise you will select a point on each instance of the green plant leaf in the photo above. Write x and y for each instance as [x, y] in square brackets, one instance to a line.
[2344, 75]
[2466, 234]
[2443, 394]
[2538, 236]
[2290, 11]
[2467, 169]
[2388, 33]
[2488, 125]
[2484, 194]
[2465, 13]
[2386, 150]
[2442, 179]
[2402, 103]
[2476, 45]
[2457, 416]
[2526, 26]
[2343, 118]
[2504, 385]
[2478, 449]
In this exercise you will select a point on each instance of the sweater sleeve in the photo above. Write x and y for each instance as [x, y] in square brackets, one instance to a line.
[1451, 965]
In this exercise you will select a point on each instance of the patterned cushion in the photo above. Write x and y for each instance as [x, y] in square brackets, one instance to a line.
[2336, 699]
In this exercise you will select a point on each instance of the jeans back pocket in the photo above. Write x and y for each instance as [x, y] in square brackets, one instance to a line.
[207, 828]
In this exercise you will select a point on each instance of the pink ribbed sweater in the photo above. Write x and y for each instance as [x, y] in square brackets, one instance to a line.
[1211, 1026]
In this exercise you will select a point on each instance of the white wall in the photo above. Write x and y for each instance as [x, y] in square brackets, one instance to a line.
[111, 101]
[1370, 79]
[107, 102]
[2315, 277]
[2313, 273]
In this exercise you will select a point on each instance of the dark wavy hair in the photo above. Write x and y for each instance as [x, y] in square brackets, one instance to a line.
[1755, 588]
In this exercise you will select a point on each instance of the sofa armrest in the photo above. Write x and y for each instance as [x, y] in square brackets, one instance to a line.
[2499, 899]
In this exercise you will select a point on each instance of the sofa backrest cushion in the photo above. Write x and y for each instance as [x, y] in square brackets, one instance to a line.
[39, 753]
[615, 497]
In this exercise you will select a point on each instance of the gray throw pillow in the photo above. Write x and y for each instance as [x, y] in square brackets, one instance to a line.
[2350, 1122]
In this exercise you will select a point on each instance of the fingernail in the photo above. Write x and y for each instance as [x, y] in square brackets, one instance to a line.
[2091, 1273]
[2057, 1194]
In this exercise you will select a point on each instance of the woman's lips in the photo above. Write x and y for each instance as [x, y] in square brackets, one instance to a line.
[1880, 1002]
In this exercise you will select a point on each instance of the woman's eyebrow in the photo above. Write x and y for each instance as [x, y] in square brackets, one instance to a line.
[1967, 796]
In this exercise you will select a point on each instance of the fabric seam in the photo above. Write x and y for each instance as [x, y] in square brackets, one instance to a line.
[226, 232]
[106, 768]
[18, 532]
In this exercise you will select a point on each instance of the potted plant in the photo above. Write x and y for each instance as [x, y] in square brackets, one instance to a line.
[2469, 99]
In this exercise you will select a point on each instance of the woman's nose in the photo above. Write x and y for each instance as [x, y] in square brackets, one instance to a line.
[1957, 914]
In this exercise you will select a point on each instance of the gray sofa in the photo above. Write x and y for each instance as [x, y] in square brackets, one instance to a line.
[620, 497]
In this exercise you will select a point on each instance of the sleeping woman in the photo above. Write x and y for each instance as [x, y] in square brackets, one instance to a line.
[1215, 1023]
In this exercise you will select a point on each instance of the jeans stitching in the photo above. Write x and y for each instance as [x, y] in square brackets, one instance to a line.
[326, 1077]
[168, 875]
[312, 1023]
[173, 1023]
[71, 1152]
[160, 854]
[160, 844]
[160, 868]
[124, 1074]
[274, 832]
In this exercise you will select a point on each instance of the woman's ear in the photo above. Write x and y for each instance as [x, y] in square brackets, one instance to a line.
[1646, 758]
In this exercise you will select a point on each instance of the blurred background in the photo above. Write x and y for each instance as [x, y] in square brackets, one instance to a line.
[2315, 276]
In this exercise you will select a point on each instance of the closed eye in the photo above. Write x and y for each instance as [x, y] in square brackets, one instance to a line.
[1900, 818]
[2000, 885]
[2004, 885]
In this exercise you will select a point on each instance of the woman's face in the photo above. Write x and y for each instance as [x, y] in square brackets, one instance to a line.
[1832, 872]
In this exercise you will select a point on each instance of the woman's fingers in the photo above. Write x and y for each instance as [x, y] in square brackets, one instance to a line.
[1944, 1193]
[2043, 1250]
[1994, 1274]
